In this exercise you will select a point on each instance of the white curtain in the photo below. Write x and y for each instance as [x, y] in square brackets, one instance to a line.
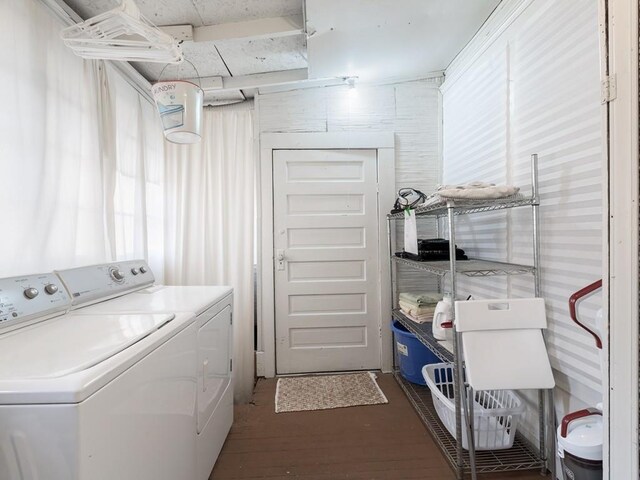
[82, 176]
[138, 183]
[80, 154]
[50, 185]
[209, 222]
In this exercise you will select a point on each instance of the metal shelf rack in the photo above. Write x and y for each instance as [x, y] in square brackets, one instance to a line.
[470, 268]
[462, 206]
[522, 456]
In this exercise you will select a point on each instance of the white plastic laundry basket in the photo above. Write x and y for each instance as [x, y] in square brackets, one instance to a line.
[496, 413]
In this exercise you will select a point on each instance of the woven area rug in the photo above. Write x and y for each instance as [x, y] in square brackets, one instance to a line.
[322, 392]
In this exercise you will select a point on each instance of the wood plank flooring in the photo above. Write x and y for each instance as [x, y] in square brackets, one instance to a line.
[379, 442]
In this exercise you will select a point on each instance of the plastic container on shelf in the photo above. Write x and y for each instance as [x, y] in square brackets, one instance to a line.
[496, 413]
[411, 354]
[442, 325]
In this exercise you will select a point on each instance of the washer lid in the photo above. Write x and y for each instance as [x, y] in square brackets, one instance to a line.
[69, 344]
[159, 298]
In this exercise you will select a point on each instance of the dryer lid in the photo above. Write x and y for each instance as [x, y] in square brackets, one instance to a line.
[69, 344]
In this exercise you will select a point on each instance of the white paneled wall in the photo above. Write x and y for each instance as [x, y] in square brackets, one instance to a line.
[536, 89]
[411, 110]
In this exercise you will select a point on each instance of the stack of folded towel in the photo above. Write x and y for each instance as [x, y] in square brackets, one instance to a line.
[419, 307]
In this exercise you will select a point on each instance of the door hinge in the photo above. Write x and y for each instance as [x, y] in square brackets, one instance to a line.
[608, 90]
[231, 364]
[231, 319]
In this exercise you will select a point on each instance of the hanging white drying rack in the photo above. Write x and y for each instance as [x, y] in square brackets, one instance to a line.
[122, 34]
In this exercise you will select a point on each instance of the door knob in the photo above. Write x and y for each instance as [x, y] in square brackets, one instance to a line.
[280, 257]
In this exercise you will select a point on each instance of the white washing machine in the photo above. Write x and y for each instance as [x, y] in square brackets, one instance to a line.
[131, 290]
[93, 397]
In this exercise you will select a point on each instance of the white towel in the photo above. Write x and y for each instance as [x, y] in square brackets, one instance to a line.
[478, 192]
[417, 309]
[420, 299]
[417, 314]
[419, 318]
[466, 186]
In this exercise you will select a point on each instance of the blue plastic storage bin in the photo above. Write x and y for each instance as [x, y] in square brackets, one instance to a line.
[411, 355]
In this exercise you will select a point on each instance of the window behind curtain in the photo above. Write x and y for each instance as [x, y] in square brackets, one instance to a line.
[139, 192]
[54, 202]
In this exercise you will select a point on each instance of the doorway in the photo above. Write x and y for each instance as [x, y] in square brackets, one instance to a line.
[324, 267]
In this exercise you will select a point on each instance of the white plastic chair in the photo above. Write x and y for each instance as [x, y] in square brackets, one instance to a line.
[502, 343]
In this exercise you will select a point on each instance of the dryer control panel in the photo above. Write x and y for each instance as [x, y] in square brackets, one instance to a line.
[96, 283]
[29, 298]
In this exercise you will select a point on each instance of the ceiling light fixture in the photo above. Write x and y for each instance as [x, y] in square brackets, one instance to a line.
[351, 81]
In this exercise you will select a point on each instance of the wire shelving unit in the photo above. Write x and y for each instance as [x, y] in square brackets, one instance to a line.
[470, 268]
[523, 455]
[463, 207]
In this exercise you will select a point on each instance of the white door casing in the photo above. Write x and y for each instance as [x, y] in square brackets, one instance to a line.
[325, 239]
[383, 144]
[621, 282]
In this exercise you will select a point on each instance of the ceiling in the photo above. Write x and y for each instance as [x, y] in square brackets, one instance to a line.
[241, 46]
[387, 38]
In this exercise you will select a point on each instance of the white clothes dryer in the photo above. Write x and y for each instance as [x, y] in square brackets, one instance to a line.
[131, 290]
[93, 397]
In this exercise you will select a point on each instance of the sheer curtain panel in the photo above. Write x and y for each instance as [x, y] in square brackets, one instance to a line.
[81, 154]
[209, 222]
[138, 177]
[51, 189]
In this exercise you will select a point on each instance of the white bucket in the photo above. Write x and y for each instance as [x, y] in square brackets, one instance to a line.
[180, 106]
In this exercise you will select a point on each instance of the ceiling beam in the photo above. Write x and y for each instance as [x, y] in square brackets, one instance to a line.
[256, 80]
[179, 32]
[251, 29]
[247, 30]
[315, 83]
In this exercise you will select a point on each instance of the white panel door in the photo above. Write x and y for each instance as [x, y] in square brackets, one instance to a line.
[326, 266]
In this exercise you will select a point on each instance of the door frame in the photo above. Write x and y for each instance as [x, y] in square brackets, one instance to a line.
[383, 142]
[619, 20]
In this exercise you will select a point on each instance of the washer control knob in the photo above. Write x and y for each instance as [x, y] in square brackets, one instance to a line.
[51, 289]
[31, 293]
[117, 274]
[135, 271]
[143, 269]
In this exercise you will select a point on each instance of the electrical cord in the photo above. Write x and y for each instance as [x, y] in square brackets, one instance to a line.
[402, 202]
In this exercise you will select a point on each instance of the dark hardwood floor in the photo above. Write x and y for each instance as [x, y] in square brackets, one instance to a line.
[381, 442]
